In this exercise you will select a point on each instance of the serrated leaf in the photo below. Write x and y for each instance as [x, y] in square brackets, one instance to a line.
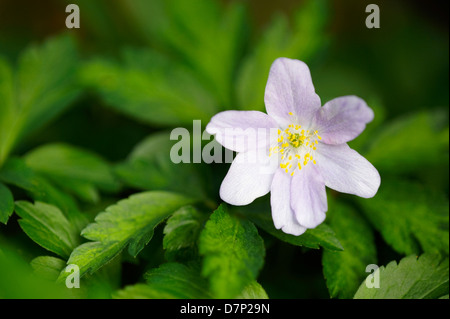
[233, 253]
[410, 216]
[424, 277]
[344, 270]
[47, 267]
[47, 226]
[6, 203]
[130, 223]
[17, 173]
[150, 88]
[149, 167]
[181, 233]
[279, 40]
[321, 236]
[43, 86]
[78, 170]
[411, 142]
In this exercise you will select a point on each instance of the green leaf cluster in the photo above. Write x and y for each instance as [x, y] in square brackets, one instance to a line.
[86, 177]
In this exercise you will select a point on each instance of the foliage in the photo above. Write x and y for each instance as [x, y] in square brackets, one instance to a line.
[86, 176]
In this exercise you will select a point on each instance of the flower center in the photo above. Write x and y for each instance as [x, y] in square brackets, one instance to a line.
[296, 146]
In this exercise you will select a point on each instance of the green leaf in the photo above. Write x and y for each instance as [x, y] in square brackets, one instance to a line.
[410, 217]
[142, 291]
[181, 281]
[425, 277]
[130, 223]
[18, 281]
[169, 281]
[190, 31]
[344, 270]
[149, 88]
[321, 236]
[253, 291]
[233, 253]
[17, 173]
[302, 42]
[48, 227]
[149, 167]
[73, 168]
[411, 143]
[6, 204]
[7, 108]
[181, 233]
[48, 267]
[42, 87]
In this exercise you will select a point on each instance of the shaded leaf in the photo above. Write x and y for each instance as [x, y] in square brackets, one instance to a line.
[17, 173]
[181, 233]
[43, 86]
[321, 236]
[18, 281]
[410, 216]
[181, 281]
[48, 267]
[233, 253]
[48, 227]
[344, 270]
[190, 30]
[302, 42]
[411, 143]
[73, 168]
[149, 167]
[149, 88]
[6, 203]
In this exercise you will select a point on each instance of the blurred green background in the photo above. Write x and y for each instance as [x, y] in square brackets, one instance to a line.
[136, 69]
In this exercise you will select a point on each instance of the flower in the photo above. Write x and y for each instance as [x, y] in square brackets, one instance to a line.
[310, 145]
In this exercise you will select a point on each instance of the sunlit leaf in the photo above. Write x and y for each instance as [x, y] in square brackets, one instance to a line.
[130, 223]
[423, 277]
[411, 143]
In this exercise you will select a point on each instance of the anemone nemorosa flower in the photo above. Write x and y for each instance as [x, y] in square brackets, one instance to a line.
[310, 145]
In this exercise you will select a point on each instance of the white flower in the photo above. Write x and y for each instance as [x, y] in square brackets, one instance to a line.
[310, 146]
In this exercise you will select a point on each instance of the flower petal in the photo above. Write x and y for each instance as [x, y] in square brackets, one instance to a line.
[248, 178]
[309, 197]
[238, 130]
[342, 119]
[290, 89]
[280, 200]
[345, 170]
